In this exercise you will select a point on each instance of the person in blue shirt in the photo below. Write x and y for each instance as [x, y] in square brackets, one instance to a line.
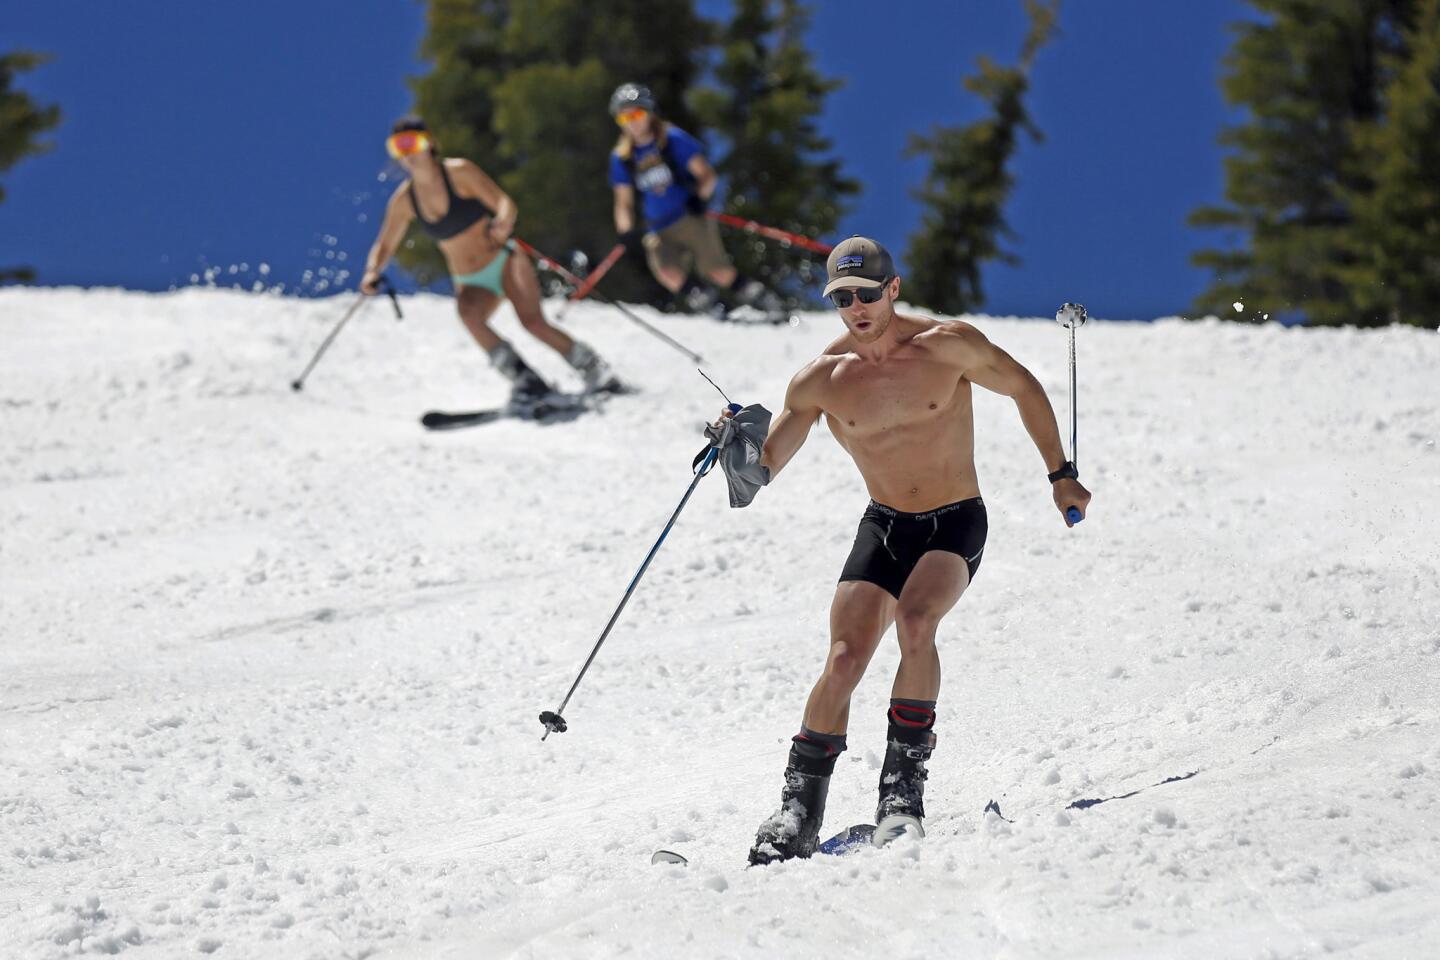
[667, 169]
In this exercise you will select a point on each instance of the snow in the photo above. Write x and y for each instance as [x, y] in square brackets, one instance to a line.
[270, 663]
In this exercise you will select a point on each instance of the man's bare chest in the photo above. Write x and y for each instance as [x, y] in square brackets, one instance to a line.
[866, 397]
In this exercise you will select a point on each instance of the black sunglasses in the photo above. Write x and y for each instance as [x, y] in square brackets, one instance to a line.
[843, 298]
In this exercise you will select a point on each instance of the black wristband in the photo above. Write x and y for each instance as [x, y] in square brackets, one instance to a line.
[1067, 471]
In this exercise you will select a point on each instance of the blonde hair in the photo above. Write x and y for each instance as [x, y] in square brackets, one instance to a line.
[659, 129]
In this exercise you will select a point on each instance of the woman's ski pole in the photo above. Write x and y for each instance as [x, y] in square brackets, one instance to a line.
[299, 382]
[553, 721]
[569, 277]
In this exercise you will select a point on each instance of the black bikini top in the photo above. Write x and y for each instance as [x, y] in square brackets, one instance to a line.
[462, 212]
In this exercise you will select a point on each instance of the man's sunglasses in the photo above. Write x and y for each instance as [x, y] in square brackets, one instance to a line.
[867, 295]
[634, 113]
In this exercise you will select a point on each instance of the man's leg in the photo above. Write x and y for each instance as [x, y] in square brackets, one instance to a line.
[859, 615]
[930, 592]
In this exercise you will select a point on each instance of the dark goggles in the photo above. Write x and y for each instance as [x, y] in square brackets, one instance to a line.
[843, 298]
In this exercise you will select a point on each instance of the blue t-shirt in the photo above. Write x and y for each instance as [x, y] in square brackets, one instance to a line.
[663, 186]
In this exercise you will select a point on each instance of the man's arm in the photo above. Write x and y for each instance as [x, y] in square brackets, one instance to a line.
[398, 214]
[985, 364]
[792, 426]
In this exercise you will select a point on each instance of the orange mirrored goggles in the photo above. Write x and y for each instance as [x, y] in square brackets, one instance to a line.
[634, 113]
[407, 143]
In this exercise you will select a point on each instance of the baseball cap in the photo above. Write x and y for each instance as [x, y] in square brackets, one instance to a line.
[858, 262]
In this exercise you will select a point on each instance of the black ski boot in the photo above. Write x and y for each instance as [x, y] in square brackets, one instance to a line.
[528, 393]
[527, 388]
[794, 829]
[902, 784]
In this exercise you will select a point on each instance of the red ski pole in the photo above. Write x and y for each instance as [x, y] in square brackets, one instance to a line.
[774, 233]
[613, 257]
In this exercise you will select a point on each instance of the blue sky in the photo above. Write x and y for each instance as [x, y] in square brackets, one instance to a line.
[209, 136]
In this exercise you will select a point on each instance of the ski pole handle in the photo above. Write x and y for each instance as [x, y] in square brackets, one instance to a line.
[705, 460]
[1073, 514]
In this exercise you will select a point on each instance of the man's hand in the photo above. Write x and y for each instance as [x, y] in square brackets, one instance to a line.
[1070, 493]
[370, 283]
[740, 439]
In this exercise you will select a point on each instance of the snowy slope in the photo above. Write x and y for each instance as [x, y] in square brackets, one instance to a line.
[270, 663]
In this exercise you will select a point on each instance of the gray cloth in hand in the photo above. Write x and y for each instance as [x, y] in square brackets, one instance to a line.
[741, 440]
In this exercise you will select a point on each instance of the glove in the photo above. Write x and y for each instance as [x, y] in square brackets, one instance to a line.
[696, 205]
[741, 441]
[633, 239]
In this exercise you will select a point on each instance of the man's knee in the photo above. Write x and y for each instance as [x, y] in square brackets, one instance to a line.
[915, 626]
[845, 665]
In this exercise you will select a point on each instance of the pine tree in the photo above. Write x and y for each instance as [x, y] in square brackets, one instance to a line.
[522, 88]
[1311, 77]
[22, 122]
[776, 165]
[1396, 250]
[969, 180]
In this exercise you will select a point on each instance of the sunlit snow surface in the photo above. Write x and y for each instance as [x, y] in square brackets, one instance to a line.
[270, 663]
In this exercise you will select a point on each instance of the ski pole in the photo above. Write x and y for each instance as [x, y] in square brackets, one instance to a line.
[553, 721]
[569, 277]
[583, 287]
[299, 382]
[774, 233]
[1072, 316]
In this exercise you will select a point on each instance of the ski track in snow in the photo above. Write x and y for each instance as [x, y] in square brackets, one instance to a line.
[270, 663]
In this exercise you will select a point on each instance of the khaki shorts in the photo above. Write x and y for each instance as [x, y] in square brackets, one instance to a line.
[688, 239]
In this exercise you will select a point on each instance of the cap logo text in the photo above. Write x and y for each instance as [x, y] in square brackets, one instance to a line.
[852, 262]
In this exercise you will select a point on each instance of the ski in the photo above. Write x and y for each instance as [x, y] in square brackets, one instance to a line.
[442, 420]
[855, 837]
[848, 840]
[552, 408]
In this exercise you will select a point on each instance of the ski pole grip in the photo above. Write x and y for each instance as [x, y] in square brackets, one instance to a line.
[733, 407]
[1073, 514]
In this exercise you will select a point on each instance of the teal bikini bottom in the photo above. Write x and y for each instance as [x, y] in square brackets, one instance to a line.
[490, 276]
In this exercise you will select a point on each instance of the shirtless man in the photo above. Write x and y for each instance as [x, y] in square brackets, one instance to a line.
[471, 219]
[896, 393]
